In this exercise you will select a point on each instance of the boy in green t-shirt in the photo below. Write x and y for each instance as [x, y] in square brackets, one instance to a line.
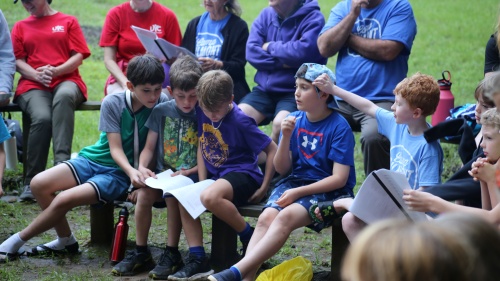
[102, 172]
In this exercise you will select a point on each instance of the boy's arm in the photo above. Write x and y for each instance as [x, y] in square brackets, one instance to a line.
[202, 170]
[283, 159]
[116, 149]
[324, 83]
[338, 179]
[270, 152]
[147, 154]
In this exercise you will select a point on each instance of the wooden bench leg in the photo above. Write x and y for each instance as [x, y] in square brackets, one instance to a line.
[224, 253]
[102, 224]
[339, 246]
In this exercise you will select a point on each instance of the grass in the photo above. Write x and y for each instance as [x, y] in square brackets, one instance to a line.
[451, 36]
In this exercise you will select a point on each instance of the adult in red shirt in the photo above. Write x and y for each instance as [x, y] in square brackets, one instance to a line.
[49, 46]
[120, 42]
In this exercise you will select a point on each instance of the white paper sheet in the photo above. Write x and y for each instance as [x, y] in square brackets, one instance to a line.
[374, 203]
[147, 39]
[183, 189]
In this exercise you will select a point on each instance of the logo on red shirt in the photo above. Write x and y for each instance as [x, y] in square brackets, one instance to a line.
[57, 28]
[155, 28]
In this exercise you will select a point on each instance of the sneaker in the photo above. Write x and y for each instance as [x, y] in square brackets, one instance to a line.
[168, 264]
[133, 263]
[195, 269]
[225, 275]
[26, 195]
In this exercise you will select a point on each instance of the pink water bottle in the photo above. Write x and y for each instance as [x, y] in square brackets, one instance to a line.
[446, 100]
[120, 238]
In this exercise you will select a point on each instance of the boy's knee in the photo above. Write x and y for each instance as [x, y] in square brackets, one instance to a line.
[207, 199]
[351, 225]
[265, 219]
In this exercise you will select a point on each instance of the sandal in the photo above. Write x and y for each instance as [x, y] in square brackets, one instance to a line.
[8, 257]
[46, 251]
[327, 211]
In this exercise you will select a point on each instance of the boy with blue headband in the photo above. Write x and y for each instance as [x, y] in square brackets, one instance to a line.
[317, 144]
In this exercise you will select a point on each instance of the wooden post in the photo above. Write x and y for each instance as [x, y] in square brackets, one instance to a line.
[224, 253]
[102, 224]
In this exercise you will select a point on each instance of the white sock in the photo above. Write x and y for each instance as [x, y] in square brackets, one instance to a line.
[60, 243]
[12, 244]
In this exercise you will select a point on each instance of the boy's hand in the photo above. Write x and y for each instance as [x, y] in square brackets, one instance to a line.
[258, 195]
[417, 200]
[473, 172]
[147, 173]
[485, 172]
[287, 126]
[287, 198]
[324, 84]
[137, 178]
[182, 172]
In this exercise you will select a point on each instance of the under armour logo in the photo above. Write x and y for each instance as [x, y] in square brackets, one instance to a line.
[306, 142]
[58, 28]
[155, 28]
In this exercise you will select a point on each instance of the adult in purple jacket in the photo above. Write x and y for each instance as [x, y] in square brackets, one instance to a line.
[282, 37]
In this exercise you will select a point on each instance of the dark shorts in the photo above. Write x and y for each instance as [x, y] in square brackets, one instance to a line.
[269, 103]
[109, 183]
[306, 201]
[244, 186]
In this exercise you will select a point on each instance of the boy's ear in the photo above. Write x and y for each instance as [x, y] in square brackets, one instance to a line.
[130, 86]
[170, 90]
[417, 112]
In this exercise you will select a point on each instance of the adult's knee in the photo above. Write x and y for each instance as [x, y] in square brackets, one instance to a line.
[373, 138]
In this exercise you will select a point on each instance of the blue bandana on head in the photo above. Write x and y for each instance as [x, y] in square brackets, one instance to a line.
[313, 71]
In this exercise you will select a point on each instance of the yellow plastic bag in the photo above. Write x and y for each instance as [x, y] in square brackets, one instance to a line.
[296, 269]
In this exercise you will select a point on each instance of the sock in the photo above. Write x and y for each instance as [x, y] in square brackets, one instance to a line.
[197, 251]
[12, 244]
[141, 249]
[60, 243]
[236, 272]
[246, 234]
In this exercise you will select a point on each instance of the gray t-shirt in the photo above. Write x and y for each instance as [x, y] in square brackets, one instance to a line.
[177, 136]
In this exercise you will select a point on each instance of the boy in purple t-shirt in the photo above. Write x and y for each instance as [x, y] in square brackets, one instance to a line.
[229, 145]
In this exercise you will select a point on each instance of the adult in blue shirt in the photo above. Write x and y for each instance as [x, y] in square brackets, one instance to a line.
[373, 40]
[7, 62]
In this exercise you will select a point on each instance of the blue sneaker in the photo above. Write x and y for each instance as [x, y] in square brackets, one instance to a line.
[225, 275]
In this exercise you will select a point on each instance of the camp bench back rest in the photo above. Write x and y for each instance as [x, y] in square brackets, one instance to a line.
[12, 107]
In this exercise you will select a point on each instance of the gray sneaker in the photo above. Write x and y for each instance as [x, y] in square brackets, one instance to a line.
[195, 269]
[27, 195]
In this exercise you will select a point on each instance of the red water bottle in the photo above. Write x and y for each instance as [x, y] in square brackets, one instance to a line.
[119, 243]
[446, 100]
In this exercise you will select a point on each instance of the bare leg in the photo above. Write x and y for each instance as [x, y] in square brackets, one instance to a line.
[192, 228]
[263, 223]
[277, 125]
[252, 112]
[44, 187]
[289, 219]
[352, 226]
[174, 226]
[146, 197]
[217, 199]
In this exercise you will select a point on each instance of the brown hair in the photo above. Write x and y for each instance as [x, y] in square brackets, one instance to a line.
[482, 241]
[214, 89]
[420, 91]
[145, 69]
[185, 73]
[479, 92]
[395, 250]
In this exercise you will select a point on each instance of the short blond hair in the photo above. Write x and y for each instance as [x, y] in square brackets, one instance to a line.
[396, 250]
[491, 86]
[491, 117]
[215, 88]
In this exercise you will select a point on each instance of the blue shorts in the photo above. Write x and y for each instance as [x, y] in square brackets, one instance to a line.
[306, 201]
[109, 183]
[269, 103]
[244, 186]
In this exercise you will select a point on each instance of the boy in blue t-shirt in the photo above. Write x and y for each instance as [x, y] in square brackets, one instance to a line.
[102, 172]
[4, 136]
[172, 132]
[317, 144]
[421, 162]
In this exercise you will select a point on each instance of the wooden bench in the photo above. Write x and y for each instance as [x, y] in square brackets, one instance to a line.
[224, 252]
[26, 120]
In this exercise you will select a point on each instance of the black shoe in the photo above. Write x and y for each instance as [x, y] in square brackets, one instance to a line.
[133, 263]
[27, 195]
[42, 250]
[195, 269]
[168, 264]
